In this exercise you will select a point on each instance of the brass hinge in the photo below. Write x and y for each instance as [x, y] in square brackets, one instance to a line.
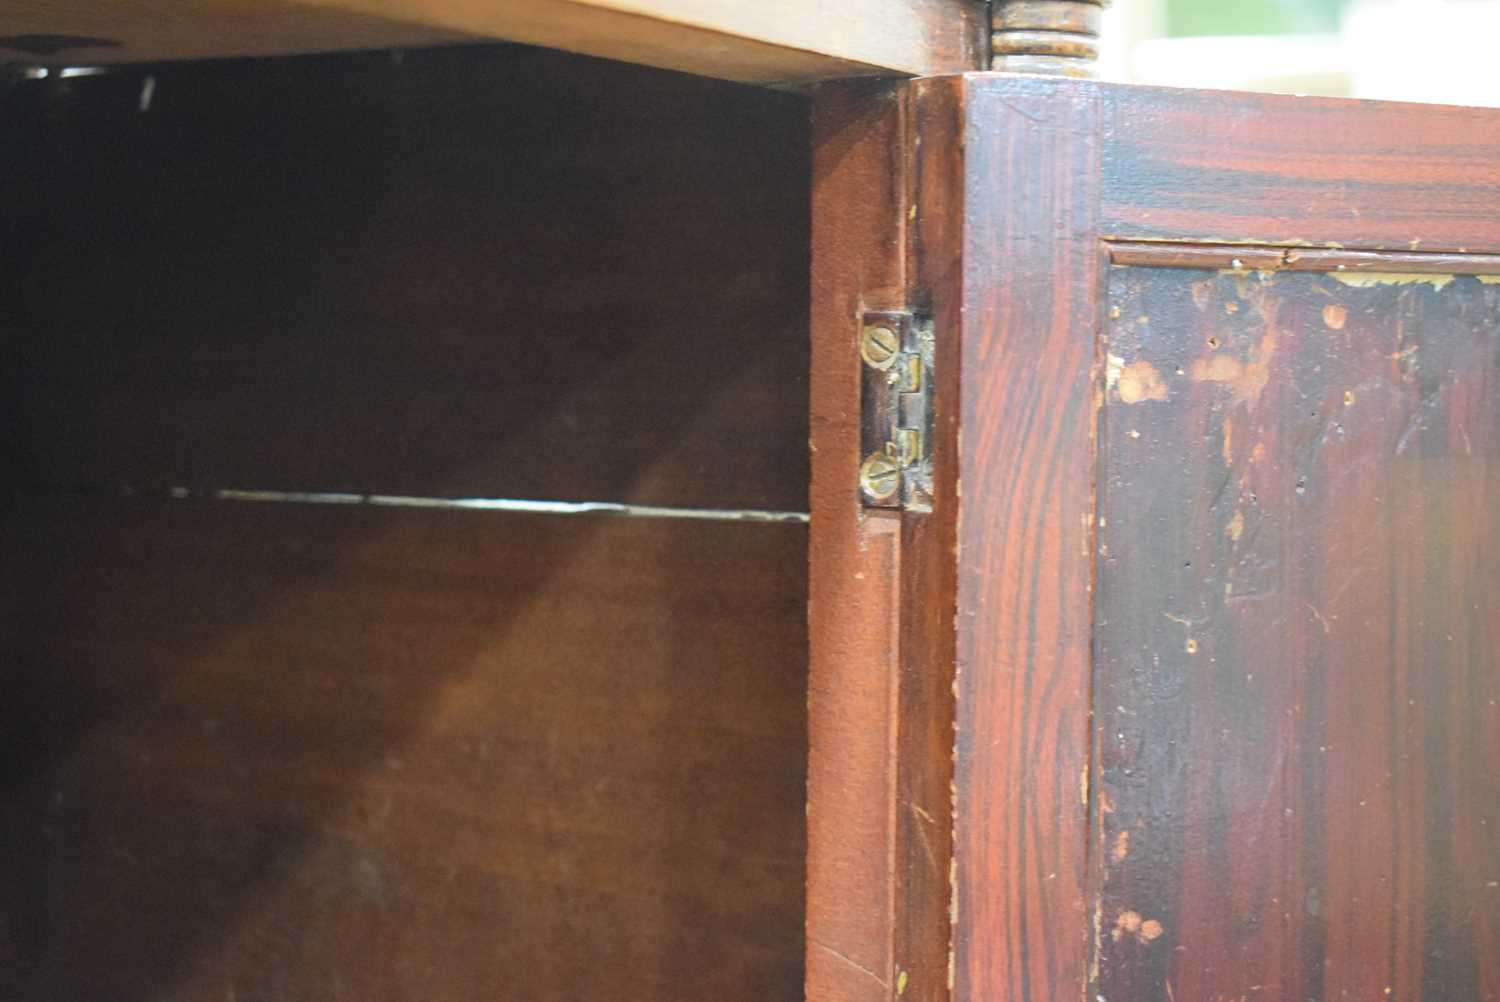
[896, 349]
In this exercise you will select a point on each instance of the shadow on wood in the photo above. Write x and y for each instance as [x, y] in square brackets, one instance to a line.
[324, 752]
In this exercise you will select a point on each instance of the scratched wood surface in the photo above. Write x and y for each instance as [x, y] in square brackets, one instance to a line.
[485, 271]
[267, 752]
[1298, 678]
[1023, 258]
[853, 885]
[1232, 735]
[881, 583]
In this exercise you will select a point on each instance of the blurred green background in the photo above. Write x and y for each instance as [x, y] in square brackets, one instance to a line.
[1252, 17]
[1406, 50]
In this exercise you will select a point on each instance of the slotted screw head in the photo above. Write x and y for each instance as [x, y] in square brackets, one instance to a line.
[880, 477]
[878, 346]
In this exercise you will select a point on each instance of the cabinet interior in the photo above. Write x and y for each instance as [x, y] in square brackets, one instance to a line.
[287, 712]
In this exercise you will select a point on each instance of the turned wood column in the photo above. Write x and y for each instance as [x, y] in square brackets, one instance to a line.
[1058, 37]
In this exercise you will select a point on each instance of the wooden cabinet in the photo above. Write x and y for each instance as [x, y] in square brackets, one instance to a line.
[418, 583]
[1209, 552]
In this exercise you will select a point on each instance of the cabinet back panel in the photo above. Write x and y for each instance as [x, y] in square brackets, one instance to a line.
[490, 271]
[313, 752]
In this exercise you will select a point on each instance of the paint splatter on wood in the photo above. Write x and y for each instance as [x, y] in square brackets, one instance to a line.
[1295, 649]
[1140, 382]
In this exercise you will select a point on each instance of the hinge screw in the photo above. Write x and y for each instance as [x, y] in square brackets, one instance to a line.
[878, 347]
[880, 477]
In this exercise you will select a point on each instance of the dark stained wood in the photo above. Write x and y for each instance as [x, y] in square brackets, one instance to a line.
[929, 596]
[276, 751]
[768, 41]
[1226, 167]
[482, 271]
[1299, 672]
[1026, 260]
[1265, 766]
[1252, 258]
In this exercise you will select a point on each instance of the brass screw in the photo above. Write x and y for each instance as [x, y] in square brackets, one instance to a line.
[878, 347]
[880, 477]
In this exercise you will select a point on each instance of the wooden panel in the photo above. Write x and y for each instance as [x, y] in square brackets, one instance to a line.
[88, 33]
[1028, 263]
[855, 561]
[273, 751]
[1207, 165]
[1296, 684]
[929, 582]
[1274, 776]
[1299, 672]
[766, 41]
[881, 603]
[481, 271]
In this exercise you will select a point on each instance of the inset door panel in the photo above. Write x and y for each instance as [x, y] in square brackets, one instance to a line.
[1297, 703]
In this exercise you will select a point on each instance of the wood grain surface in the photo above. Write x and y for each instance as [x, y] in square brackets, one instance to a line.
[288, 752]
[71, 33]
[929, 542]
[1258, 168]
[1028, 270]
[1237, 737]
[495, 272]
[882, 582]
[1299, 672]
[769, 41]
[854, 587]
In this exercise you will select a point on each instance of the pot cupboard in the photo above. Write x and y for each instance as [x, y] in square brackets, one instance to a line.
[697, 501]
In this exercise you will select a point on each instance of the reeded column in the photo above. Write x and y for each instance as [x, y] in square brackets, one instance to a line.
[1057, 37]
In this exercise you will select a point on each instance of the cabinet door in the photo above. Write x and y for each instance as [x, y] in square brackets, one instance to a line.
[1212, 560]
